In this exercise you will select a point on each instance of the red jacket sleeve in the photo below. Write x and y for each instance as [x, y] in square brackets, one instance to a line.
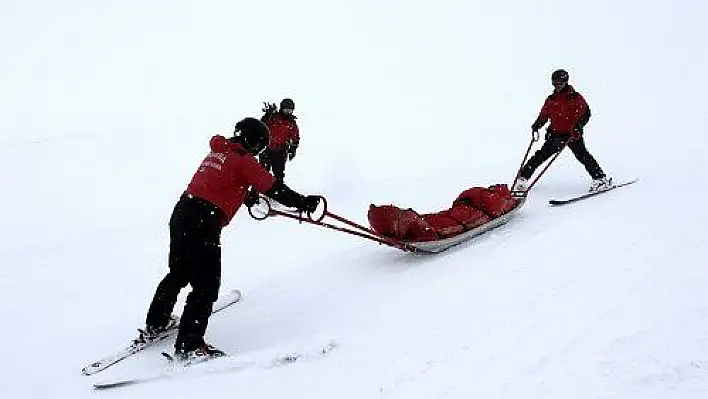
[542, 116]
[295, 136]
[581, 102]
[582, 112]
[256, 176]
[582, 105]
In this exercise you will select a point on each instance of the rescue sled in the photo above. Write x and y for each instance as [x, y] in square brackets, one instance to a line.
[436, 246]
[474, 212]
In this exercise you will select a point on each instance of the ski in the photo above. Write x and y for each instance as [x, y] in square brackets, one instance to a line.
[590, 194]
[222, 303]
[225, 364]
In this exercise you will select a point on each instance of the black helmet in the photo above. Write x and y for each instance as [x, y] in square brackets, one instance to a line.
[287, 103]
[560, 75]
[254, 135]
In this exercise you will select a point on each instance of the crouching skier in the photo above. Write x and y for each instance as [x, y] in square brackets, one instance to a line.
[211, 200]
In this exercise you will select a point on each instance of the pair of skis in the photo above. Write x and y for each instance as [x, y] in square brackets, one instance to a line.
[265, 361]
[269, 360]
[591, 194]
[222, 303]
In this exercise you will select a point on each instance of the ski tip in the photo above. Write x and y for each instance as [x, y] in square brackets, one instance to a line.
[628, 182]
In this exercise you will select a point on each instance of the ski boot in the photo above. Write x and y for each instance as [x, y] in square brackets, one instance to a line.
[601, 184]
[522, 184]
[201, 354]
[151, 333]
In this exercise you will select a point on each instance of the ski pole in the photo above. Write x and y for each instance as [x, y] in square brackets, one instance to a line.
[553, 159]
[523, 162]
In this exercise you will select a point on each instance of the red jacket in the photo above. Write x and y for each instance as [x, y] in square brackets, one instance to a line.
[225, 175]
[284, 132]
[567, 111]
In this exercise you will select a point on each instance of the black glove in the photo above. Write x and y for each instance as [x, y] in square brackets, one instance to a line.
[534, 131]
[576, 133]
[291, 153]
[251, 198]
[309, 204]
[549, 132]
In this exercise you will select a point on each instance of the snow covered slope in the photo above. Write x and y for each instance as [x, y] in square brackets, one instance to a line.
[107, 111]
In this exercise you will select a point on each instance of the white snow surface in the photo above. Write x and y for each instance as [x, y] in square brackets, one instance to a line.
[107, 109]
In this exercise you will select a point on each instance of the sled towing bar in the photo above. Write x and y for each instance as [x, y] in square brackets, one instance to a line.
[264, 209]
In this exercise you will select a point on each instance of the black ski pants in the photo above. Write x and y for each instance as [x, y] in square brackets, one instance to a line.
[554, 142]
[194, 259]
[274, 160]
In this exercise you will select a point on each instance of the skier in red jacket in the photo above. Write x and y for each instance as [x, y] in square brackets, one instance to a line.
[568, 113]
[211, 200]
[284, 137]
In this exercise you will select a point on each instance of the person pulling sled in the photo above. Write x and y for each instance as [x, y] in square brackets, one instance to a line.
[568, 113]
[211, 200]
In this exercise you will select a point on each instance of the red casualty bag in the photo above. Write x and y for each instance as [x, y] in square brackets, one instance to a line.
[443, 224]
[407, 225]
[472, 197]
[400, 224]
[469, 216]
[495, 200]
[472, 208]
